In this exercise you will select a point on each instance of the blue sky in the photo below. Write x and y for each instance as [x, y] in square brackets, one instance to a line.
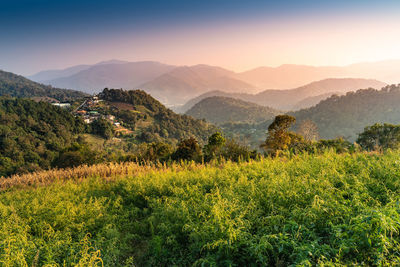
[42, 34]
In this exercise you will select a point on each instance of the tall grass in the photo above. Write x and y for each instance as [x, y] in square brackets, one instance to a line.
[301, 210]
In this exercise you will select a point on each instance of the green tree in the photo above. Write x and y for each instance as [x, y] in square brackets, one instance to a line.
[188, 149]
[215, 143]
[103, 128]
[380, 136]
[279, 138]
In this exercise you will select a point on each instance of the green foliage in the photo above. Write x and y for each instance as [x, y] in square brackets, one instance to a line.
[220, 110]
[102, 128]
[154, 121]
[188, 149]
[18, 86]
[306, 210]
[380, 136]
[77, 154]
[279, 138]
[348, 115]
[33, 134]
[215, 143]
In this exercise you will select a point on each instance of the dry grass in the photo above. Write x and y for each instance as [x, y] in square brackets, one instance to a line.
[106, 171]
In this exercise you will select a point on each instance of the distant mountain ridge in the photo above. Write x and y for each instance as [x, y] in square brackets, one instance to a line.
[292, 99]
[180, 84]
[175, 85]
[120, 75]
[19, 86]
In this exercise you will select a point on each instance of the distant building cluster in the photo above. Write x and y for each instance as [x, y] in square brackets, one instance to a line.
[91, 110]
[61, 105]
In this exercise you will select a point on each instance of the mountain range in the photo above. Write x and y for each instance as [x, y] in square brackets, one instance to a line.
[175, 85]
[338, 116]
[297, 98]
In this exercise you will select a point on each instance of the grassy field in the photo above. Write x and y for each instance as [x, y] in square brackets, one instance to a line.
[328, 210]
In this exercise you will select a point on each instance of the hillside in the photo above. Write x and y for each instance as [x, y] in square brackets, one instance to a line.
[219, 110]
[289, 99]
[348, 115]
[32, 134]
[18, 86]
[150, 120]
[302, 210]
[313, 100]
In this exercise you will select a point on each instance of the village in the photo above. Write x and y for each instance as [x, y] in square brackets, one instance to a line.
[92, 109]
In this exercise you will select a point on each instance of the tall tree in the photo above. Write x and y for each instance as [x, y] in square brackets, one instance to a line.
[279, 137]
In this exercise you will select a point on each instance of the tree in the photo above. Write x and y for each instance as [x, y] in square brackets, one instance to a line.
[158, 151]
[309, 130]
[278, 134]
[214, 146]
[188, 149]
[380, 136]
[103, 128]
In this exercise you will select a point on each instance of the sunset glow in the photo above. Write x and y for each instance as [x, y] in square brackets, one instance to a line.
[238, 35]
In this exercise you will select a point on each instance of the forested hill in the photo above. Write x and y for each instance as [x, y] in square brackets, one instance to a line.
[32, 134]
[348, 115]
[18, 86]
[219, 109]
[150, 120]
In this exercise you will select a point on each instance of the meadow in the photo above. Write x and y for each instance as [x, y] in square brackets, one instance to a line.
[300, 210]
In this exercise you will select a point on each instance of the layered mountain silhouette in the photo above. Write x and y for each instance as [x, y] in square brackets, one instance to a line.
[175, 85]
[297, 98]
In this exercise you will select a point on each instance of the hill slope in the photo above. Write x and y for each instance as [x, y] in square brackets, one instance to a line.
[18, 86]
[150, 120]
[289, 99]
[219, 109]
[348, 115]
[33, 134]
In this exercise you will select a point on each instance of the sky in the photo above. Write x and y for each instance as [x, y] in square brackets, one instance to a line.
[236, 34]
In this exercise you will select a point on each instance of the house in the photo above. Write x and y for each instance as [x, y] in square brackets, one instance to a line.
[81, 112]
[117, 124]
[61, 105]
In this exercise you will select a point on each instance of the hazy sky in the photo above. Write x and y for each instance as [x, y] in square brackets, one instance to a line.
[236, 34]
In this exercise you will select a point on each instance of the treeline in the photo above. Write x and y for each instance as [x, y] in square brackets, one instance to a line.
[280, 138]
[217, 148]
[17, 86]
